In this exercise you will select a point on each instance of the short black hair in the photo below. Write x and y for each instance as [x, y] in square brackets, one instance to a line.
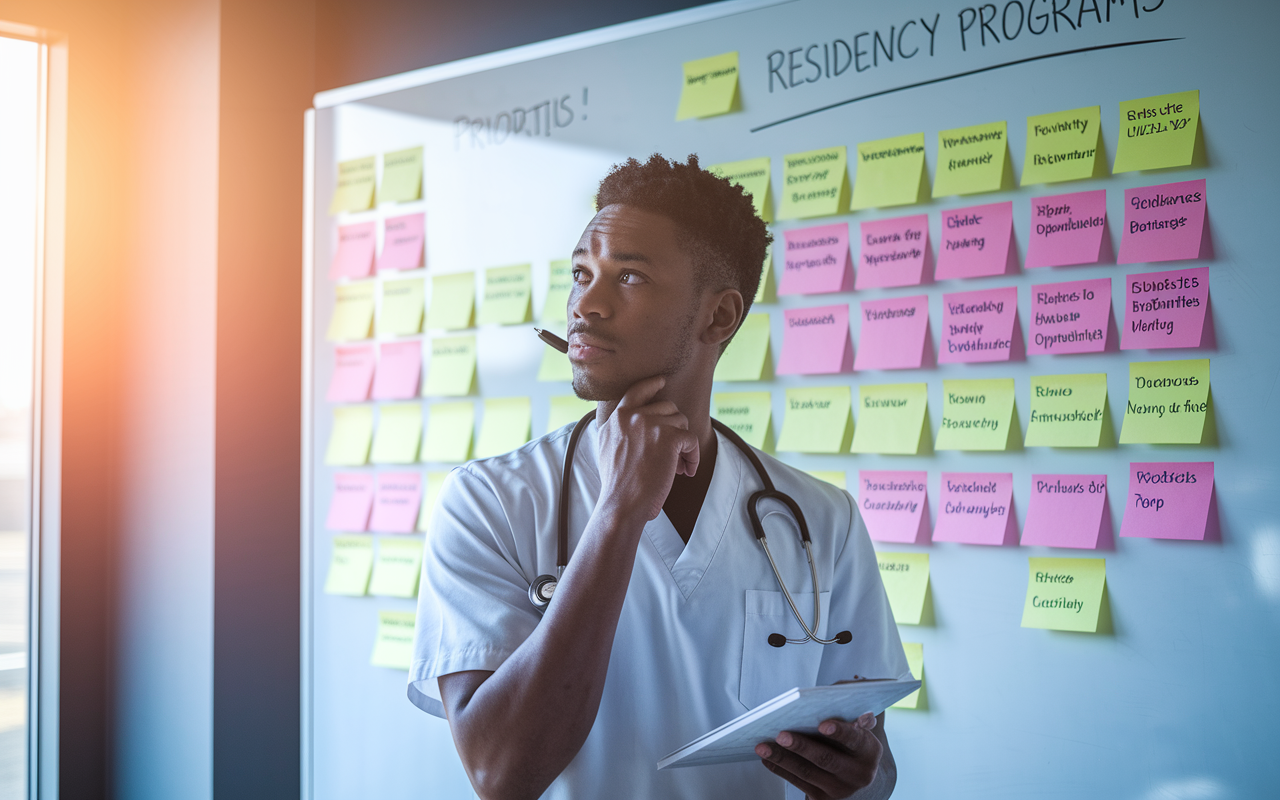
[717, 219]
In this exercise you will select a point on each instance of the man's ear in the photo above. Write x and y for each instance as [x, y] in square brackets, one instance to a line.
[726, 315]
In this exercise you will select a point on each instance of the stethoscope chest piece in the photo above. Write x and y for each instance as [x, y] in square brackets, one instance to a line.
[541, 591]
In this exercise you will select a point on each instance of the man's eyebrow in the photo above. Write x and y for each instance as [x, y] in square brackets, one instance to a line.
[640, 257]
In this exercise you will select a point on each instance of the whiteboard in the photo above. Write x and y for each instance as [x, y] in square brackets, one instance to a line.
[1168, 704]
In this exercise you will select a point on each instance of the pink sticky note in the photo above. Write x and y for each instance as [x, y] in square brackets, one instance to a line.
[396, 508]
[975, 507]
[402, 243]
[1165, 309]
[975, 241]
[352, 374]
[816, 260]
[352, 500]
[815, 341]
[1070, 317]
[893, 333]
[978, 326]
[1163, 223]
[1065, 511]
[893, 252]
[892, 504]
[1067, 229]
[354, 257]
[1168, 500]
[399, 366]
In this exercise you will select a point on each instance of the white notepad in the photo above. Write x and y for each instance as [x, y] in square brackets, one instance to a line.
[797, 710]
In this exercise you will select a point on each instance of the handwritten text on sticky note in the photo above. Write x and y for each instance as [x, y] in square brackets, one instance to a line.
[1070, 317]
[1165, 309]
[975, 508]
[354, 257]
[976, 414]
[1064, 594]
[395, 510]
[975, 241]
[352, 373]
[892, 504]
[892, 252]
[1168, 402]
[1163, 223]
[1067, 410]
[893, 333]
[1168, 500]
[816, 260]
[1065, 511]
[978, 326]
[815, 341]
[889, 172]
[351, 502]
[1067, 229]
[1062, 146]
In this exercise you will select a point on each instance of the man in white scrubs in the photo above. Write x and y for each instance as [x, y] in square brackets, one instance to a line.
[658, 630]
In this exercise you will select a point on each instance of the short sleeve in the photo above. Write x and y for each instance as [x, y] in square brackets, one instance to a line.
[473, 602]
[859, 605]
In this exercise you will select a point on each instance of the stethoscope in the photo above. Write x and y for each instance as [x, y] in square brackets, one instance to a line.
[544, 586]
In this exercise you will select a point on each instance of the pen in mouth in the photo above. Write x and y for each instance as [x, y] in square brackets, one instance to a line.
[553, 340]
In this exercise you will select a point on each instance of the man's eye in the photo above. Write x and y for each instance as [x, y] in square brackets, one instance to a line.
[629, 277]
[577, 274]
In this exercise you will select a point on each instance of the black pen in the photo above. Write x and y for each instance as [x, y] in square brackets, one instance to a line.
[553, 340]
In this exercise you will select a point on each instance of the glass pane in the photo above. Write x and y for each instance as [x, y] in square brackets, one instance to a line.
[18, 163]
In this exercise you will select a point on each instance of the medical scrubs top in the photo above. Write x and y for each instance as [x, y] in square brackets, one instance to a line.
[691, 650]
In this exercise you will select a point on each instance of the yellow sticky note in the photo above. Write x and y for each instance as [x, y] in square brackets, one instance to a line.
[817, 420]
[399, 434]
[430, 494]
[452, 369]
[767, 291]
[1064, 594]
[393, 646]
[567, 409]
[914, 652]
[748, 353]
[834, 477]
[1158, 132]
[350, 437]
[889, 172]
[453, 301]
[402, 307]
[555, 365]
[505, 426]
[814, 184]
[971, 160]
[450, 427]
[710, 85]
[508, 294]
[1062, 146]
[747, 414]
[890, 418]
[906, 579]
[559, 284]
[401, 176]
[752, 175]
[352, 311]
[349, 566]
[397, 567]
[976, 414]
[356, 180]
[1066, 410]
[1168, 401]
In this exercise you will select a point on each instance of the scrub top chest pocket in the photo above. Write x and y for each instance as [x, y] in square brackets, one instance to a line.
[768, 671]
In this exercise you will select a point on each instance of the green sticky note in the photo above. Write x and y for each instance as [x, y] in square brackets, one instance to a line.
[1064, 594]
[402, 307]
[567, 409]
[890, 418]
[350, 437]
[817, 420]
[450, 427]
[906, 579]
[971, 160]
[555, 365]
[401, 176]
[1168, 402]
[767, 291]
[430, 494]
[710, 86]
[976, 414]
[834, 477]
[453, 300]
[399, 434]
[814, 184]
[747, 414]
[752, 175]
[505, 426]
[452, 369]
[393, 646]
[508, 294]
[356, 180]
[748, 352]
[914, 652]
[1066, 410]
[889, 172]
[349, 566]
[1062, 146]
[1158, 132]
[396, 570]
[352, 311]
[559, 284]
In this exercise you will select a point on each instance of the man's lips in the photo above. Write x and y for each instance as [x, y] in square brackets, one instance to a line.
[584, 347]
